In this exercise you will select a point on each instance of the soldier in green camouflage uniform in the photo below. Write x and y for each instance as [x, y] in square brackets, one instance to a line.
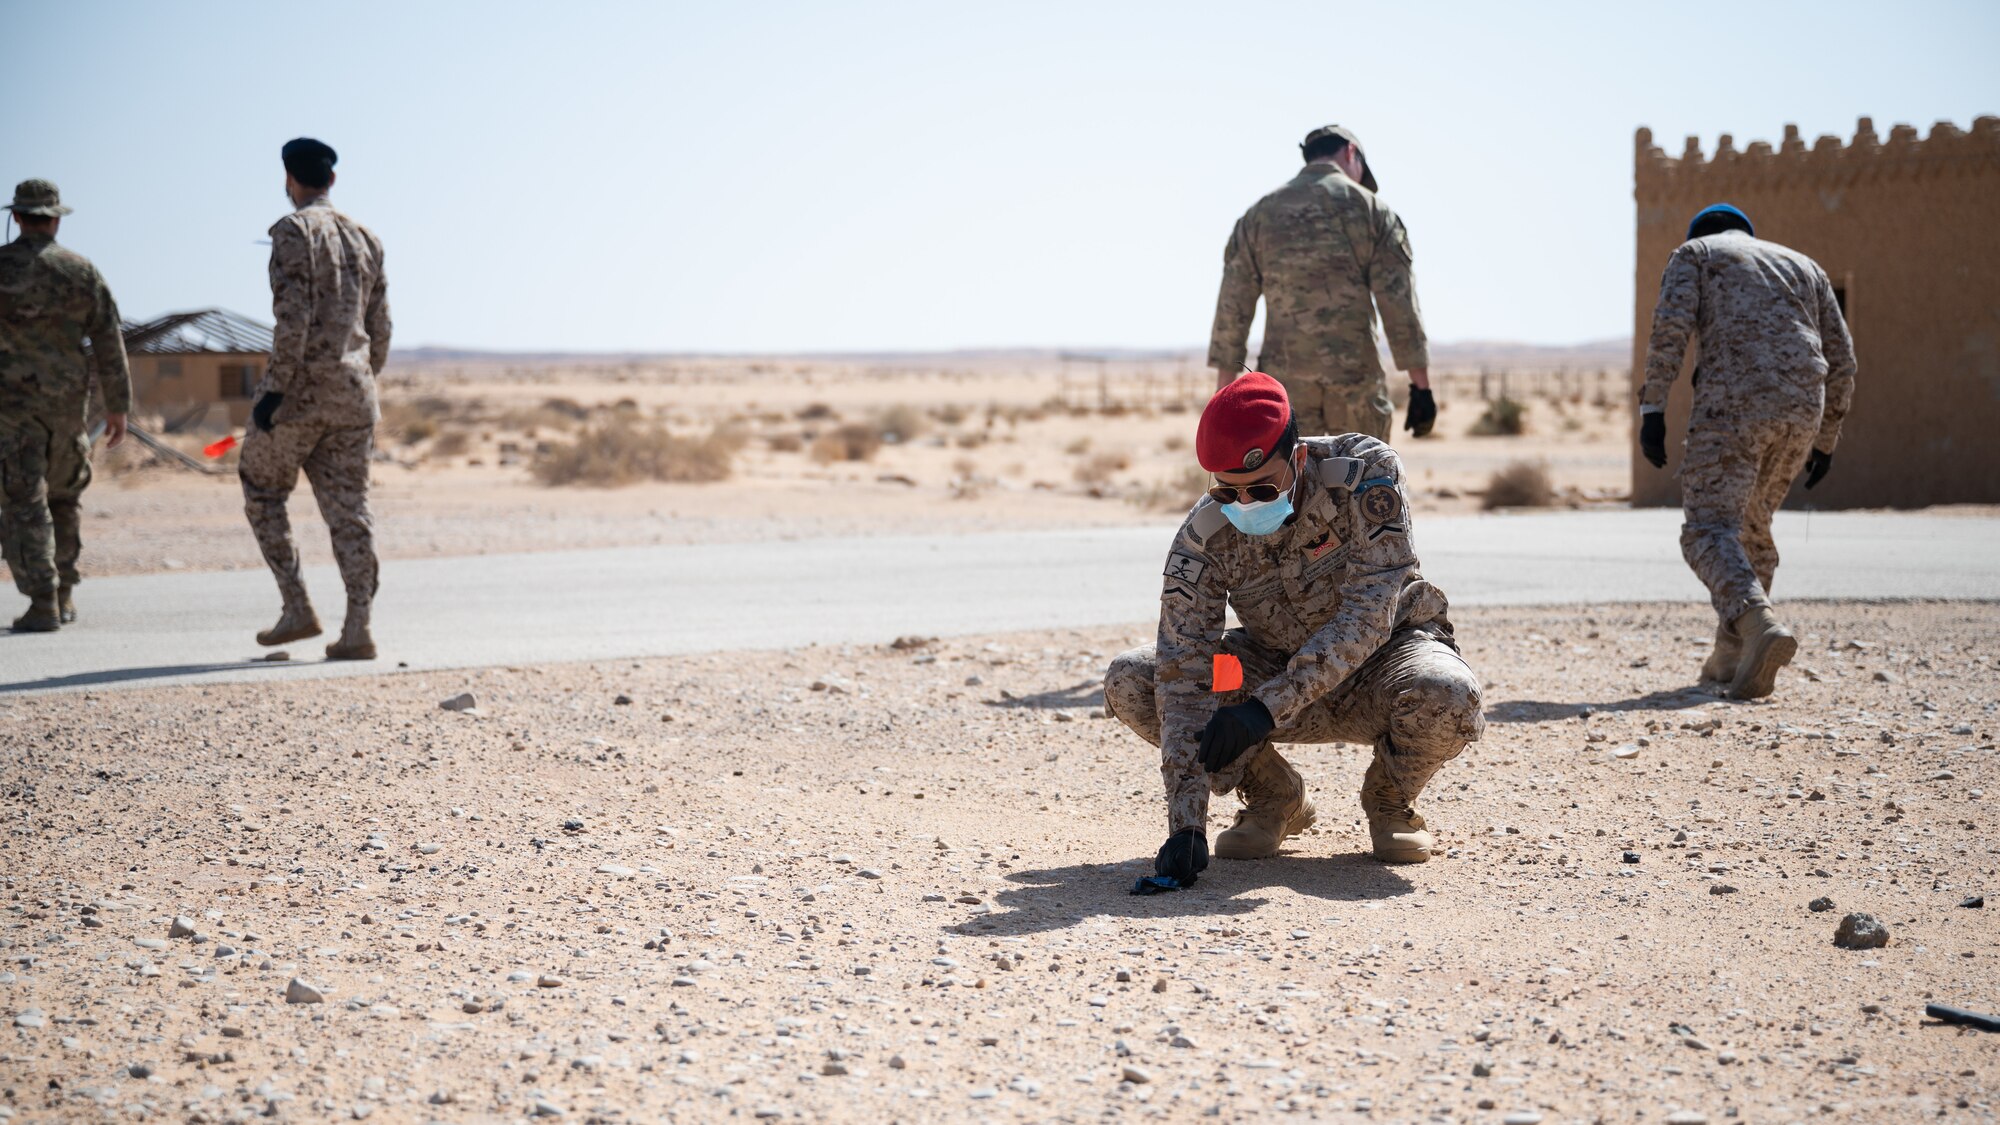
[1773, 384]
[316, 408]
[1325, 254]
[1342, 640]
[52, 301]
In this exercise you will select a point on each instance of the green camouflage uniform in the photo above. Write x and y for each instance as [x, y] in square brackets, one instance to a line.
[1325, 254]
[52, 300]
[1774, 380]
[1343, 639]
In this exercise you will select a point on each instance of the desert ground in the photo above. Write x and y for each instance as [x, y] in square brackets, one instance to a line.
[890, 884]
[812, 448]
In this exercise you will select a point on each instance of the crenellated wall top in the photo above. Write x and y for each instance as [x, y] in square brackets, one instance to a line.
[1948, 151]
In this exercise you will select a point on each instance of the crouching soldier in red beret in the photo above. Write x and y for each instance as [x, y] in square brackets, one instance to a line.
[1343, 640]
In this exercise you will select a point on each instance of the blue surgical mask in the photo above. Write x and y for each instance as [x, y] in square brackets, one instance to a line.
[1259, 517]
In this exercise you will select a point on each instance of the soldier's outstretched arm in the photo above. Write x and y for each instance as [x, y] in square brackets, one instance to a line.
[1392, 280]
[1673, 323]
[291, 303]
[1838, 347]
[1235, 305]
[1377, 573]
[1193, 596]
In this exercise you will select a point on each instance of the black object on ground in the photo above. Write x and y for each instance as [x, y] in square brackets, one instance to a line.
[1949, 1014]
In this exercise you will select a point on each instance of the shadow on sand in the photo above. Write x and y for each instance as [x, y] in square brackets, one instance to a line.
[124, 675]
[1545, 711]
[1059, 897]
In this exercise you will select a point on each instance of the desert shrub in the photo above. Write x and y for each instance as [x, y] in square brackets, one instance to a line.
[785, 443]
[451, 443]
[1504, 416]
[414, 419]
[850, 441]
[951, 414]
[1176, 442]
[1175, 495]
[970, 440]
[818, 412]
[899, 424]
[1098, 468]
[1078, 448]
[620, 451]
[1522, 484]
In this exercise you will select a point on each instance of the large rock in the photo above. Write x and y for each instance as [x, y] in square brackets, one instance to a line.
[1861, 931]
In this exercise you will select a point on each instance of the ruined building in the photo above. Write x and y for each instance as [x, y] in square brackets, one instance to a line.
[1908, 229]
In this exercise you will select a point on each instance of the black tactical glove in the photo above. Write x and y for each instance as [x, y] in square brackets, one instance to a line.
[1231, 731]
[1422, 414]
[267, 405]
[1183, 856]
[1817, 464]
[1653, 438]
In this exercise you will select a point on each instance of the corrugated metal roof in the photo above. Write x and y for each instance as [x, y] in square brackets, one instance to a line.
[204, 330]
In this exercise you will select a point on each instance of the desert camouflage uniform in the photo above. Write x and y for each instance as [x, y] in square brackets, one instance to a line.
[1325, 254]
[330, 300]
[1774, 379]
[51, 301]
[1342, 638]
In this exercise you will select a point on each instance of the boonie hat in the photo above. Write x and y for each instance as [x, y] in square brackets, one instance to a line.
[38, 197]
[1345, 134]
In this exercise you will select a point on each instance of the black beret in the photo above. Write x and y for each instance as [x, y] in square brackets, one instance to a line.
[309, 161]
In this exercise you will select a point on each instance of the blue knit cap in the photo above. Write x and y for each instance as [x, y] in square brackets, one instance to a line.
[1720, 209]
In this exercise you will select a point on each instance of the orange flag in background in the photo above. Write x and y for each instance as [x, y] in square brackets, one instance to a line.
[216, 449]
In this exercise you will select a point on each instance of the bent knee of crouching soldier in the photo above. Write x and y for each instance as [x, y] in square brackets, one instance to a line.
[1129, 685]
[1438, 712]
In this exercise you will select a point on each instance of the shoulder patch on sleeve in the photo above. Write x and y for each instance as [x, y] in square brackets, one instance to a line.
[1340, 472]
[1207, 519]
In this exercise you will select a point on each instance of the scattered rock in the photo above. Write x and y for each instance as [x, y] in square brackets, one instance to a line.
[299, 992]
[1975, 902]
[183, 926]
[621, 701]
[31, 1017]
[1861, 931]
[1721, 889]
[1820, 905]
[1137, 1075]
[1687, 1117]
[463, 701]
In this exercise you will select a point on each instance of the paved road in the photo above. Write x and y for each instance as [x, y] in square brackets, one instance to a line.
[651, 601]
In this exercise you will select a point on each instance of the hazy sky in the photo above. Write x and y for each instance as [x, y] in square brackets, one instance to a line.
[780, 177]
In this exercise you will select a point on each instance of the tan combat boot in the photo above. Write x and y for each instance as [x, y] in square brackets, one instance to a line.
[43, 616]
[66, 603]
[1395, 828]
[355, 643]
[1767, 647]
[1720, 667]
[295, 624]
[1274, 807]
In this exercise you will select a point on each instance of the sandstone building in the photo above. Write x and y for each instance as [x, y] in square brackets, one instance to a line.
[1908, 228]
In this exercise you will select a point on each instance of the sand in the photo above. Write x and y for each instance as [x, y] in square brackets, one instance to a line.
[996, 446]
[888, 884]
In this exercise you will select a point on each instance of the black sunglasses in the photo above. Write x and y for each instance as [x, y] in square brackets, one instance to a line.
[1261, 493]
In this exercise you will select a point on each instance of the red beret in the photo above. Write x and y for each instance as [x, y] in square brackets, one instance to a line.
[1242, 425]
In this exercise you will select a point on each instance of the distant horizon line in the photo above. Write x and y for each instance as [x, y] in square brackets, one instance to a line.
[1081, 354]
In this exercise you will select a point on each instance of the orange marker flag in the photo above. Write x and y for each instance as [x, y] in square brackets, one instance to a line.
[1228, 673]
[216, 449]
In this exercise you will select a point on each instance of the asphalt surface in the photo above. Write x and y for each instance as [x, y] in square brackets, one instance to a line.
[652, 601]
